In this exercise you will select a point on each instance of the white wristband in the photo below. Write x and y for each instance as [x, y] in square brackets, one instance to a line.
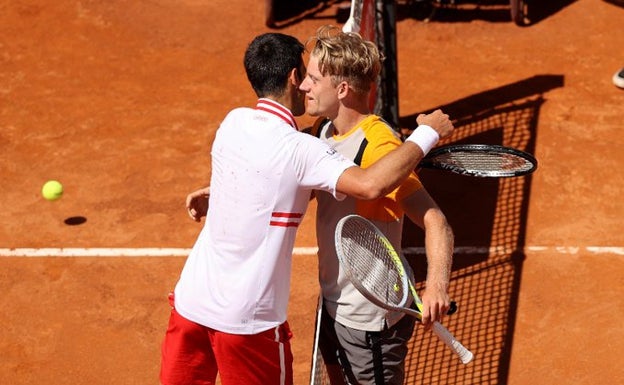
[425, 137]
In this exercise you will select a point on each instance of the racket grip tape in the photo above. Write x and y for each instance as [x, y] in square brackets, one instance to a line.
[464, 354]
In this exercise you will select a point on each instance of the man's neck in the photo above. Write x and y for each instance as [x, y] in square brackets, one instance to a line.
[348, 119]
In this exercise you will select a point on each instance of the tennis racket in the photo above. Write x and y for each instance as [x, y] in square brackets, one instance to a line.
[481, 160]
[378, 272]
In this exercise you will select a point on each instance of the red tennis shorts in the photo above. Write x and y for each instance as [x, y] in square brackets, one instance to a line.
[192, 354]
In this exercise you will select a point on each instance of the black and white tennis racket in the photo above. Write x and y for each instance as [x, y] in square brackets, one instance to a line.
[373, 266]
[480, 160]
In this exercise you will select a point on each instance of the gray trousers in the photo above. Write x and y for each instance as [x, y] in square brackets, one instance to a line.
[367, 358]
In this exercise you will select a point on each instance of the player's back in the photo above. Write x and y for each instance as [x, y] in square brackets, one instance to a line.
[252, 173]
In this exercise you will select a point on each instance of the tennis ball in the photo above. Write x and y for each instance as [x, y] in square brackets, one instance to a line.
[52, 190]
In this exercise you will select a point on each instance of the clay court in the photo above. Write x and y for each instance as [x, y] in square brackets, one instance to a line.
[119, 100]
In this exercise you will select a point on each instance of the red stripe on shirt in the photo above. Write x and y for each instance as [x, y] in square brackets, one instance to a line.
[284, 224]
[282, 112]
[286, 215]
[284, 219]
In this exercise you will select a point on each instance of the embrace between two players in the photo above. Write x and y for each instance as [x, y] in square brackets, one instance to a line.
[229, 306]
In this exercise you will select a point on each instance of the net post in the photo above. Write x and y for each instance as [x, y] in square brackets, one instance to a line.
[386, 104]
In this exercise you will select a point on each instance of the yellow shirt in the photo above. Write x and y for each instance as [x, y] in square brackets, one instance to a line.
[366, 143]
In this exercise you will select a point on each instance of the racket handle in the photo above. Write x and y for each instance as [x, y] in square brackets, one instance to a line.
[464, 354]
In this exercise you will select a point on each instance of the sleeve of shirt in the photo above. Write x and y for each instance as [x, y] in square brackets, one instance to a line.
[317, 165]
[382, 142]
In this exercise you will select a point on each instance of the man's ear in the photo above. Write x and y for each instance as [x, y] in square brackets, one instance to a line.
[294, 77]
[343, 90]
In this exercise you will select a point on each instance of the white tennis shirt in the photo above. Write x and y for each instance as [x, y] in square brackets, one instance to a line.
[237, 276]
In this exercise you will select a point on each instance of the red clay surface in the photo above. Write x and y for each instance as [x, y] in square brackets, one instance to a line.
[119, 101]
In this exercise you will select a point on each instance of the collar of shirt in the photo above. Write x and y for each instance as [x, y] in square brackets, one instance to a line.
[277, 109]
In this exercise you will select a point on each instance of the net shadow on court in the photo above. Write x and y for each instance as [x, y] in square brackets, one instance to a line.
[490, 216]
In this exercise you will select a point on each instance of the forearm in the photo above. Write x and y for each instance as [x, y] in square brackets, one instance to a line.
[439, 245]
[389, 171]
[439, 248]
[421, 209]
[382, 176]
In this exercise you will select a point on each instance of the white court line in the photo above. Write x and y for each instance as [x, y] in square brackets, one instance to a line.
[182, 252]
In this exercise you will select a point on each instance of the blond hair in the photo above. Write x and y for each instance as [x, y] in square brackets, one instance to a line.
[346, 56]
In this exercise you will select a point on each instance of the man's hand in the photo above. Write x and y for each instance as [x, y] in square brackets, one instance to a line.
[436, 303]
[437, 120]
[197, 203]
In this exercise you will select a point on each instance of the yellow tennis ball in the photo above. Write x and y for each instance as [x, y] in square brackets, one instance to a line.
[52, 190]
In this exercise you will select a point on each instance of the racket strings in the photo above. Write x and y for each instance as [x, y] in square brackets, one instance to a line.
[368, 262]
[485, 161]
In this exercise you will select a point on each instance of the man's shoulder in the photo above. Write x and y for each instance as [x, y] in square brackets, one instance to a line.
[377, 129]
[242, 110]
[237, 114]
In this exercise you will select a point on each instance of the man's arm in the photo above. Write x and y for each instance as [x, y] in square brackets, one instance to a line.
[388, 172]
[439, 246]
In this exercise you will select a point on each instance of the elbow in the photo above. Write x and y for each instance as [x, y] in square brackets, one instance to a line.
[370, 190]
[357, 184]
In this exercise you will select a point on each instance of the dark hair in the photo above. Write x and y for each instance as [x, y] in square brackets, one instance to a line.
[269, 59]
